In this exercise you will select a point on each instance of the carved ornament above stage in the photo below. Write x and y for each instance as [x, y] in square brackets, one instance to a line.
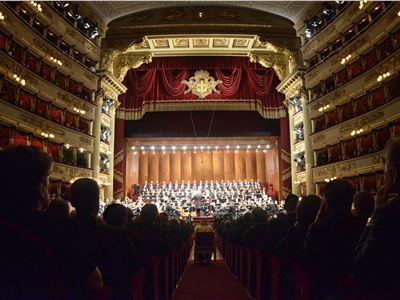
[118, 62]
[201, 84]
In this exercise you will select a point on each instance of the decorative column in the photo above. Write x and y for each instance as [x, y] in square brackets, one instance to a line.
[308, 154]
[96, 134]
[295, 187]
[110, 187]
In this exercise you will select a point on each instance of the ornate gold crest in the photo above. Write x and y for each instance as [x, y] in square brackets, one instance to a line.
[201, 84]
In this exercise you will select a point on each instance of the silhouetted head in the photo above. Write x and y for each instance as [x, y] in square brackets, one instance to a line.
[291, 202]
[391, 156]
[258, 215]
[307, 209]
[339, 194]
[85, 196]
[116, 214]
[24, 178]
[149, 213]
[364, 204]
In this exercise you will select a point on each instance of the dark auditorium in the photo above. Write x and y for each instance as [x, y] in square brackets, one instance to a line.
[200, 150]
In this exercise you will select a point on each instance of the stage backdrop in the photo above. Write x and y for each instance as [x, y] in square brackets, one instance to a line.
[222, 164]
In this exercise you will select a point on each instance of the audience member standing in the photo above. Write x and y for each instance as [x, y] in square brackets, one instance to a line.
[377, 261]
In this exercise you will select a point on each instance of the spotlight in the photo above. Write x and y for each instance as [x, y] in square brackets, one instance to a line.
[173, 147]
[227, 147]
[133, 147]
[86, 24]
[152, 147]
[237, 147]
[184, 147]
[163, 148]
[95, 31]
[142, 148]
[63, 4]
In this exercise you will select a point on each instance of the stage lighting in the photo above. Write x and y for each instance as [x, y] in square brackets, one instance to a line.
[142, 148]
[268, 146]
[258, 146]
[227, 147]
[237, 147]
[173, 147]
[95, 31]
[201, 147]
[63, 4]
[248, 146]
[184, 147]
[86, 23]
[216, 147]
[195, 147]
[152, 147]
[74, 13]
[208, 147]
[316, 22]
[163, 148]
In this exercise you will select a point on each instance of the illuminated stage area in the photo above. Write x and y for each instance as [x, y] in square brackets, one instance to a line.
[226, 159]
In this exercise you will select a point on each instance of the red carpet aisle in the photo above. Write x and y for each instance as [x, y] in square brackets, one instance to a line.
[209, 282]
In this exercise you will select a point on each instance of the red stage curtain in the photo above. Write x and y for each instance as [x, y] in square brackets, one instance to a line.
[9, 90]
[342, 77]
[16, 51]
[54, 150]
[356, 68]
[86, 94]
[84, 125]
[60, 80]
[382, 135]
[361, 105]
[393, 87]
[370, 59]
[350, 147]
[41, 107]
[336, 152]
[3, 40]
[55, 114]
[332, 118]
[160, 81]
[70, 119]
[386, 48]
[46, 71]
[366, 144]
[31, 62]
[20, 138]
[347, 111]
[319, 123]
[4, 136]
[37, 142]
[378, 97]
[73, 87]
[25, 100]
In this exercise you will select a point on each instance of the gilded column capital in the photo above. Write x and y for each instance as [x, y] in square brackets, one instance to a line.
[123, 63]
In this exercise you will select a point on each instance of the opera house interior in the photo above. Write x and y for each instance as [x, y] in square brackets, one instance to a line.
[200, 150]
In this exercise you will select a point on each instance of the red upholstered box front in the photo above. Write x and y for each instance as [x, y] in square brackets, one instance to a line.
[370, 59]
[25, 100]
[350, 148]
[347, 111]
[20, 138]
[356, 68]
[378, 96]
[362, 105]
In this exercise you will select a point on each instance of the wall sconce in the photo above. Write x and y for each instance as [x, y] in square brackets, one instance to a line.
[55, 60]
[383, 76]
[81, 150]
[2, 17]
[357, 132]
[47, 135]
[18, 79]
[36, 5]
[330, 179]
[345, 59]
[81, 111]
[324, 108]
[362, 4]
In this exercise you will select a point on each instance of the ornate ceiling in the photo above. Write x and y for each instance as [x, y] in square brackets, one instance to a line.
[107, 11]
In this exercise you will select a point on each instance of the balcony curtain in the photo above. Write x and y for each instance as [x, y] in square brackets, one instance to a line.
[56, 114]
[159, 84]
[84, 125]
[342, 77]
[3, 40]
[37, 142]
[53, 149]
[31, 62]
[347, 111]
[361, 105]
[336, 152]
[25, 100]
[9, 90]
[382, 135]
[46, 71]
[332, 118]
[366, 144]
[319, 123]
[41, 107]
[60, 80]
[385, 48]
[70, 119]
[16, 51]
[393, 87]
[356, 68]
[20, 138]
[4, 136]
[370, 59]
[350, 147]
[378, 96]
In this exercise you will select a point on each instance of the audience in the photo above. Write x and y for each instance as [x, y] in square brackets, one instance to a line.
[363, 204]
[377, 260]
[23, 210]
[59, 207]
[116, 215]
